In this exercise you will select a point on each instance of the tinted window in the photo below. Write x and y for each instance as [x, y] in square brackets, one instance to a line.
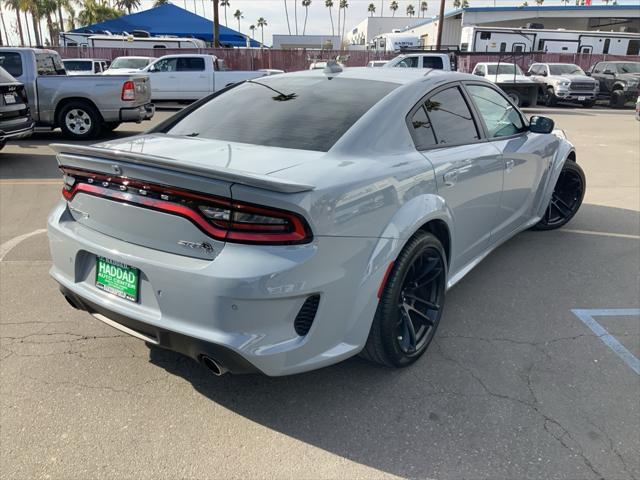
[432, 62]
[485, 35]
[566, 69]
[11, 62]
[190, 64]
[421, 130]
[290, 112]
[451, 118]
[607, 42]
[48, 64]
[410, 62]
[634, 47]
[599, 68]
[166, 65]
[500, 117]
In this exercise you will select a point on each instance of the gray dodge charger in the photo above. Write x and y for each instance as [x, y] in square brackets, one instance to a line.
[290, 222]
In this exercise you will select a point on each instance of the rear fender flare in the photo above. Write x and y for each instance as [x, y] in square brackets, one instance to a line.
[564, 151]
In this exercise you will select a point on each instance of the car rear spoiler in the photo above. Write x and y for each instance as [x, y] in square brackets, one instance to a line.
[66, 154]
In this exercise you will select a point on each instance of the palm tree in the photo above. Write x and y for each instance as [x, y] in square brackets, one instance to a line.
[306, 4]
[329, 5]
[252, 28]
[566, 2]
[381, 6]
[371, 9]
[411, 11]
[286, 13]
[16, 6]
[424, 6]
[4, 27]
[95, 12]
[262, 23]
[159, 3]
[344, 5]
[34, 8]
[295, 14]
[460, 4]
[238, 15]
[127, 5]
[225, 4]
[394, 6]
[71, 17]
[539, 2]
[47, 9]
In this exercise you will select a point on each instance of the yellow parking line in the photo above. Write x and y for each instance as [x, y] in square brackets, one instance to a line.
[43, 181]
[601, 234]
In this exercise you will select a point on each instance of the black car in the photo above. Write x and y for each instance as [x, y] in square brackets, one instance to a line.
[618, 81]
[15, 116]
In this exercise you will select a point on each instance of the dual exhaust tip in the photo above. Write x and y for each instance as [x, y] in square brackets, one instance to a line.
[213, 366]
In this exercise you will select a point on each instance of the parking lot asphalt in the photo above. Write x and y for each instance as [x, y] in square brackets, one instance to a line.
[515, 385]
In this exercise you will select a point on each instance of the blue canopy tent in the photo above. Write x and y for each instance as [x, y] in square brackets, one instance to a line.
[170, 20]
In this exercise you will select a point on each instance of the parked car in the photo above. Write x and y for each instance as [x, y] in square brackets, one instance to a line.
[618, 81]
[565, 82]
[81, 106]
[15, 116]
[440, 61]
[191, 77]
[84, 66]
[377, 63]
[509, 77]
[122, 65]
[256, 231]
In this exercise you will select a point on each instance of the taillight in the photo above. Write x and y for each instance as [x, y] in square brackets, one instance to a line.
[220, 218]
[128, 91]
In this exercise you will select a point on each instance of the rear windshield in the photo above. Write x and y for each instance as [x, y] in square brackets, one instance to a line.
[288, 112]
[11, 62]
[123, 62]
[630, 67]
[566, 70]
[78, 65]
[504, 69]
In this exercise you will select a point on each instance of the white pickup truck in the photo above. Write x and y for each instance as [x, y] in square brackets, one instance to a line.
[192, 77]
[439, 61]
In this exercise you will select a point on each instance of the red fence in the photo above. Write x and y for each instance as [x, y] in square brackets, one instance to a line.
[293, 60]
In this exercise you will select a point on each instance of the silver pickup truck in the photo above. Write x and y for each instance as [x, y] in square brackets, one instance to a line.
[82, 106]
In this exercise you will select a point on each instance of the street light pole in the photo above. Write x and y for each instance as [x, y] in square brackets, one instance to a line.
[440, 22]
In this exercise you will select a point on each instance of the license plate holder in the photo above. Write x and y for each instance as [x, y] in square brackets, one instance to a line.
[582, 99]
[9, 98]
[118, 279]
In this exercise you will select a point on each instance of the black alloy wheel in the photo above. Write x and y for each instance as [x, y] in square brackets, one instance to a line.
[566, 198]
[411, 304]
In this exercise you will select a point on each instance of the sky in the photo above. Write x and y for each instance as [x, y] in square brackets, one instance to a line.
[318, 20]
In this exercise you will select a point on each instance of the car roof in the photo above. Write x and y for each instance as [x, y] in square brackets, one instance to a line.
[399, 76]
[135, 56]
[553, 63]
[495, 63]
[86, 59]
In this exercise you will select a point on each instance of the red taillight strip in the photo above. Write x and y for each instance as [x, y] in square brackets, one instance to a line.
[221, 230]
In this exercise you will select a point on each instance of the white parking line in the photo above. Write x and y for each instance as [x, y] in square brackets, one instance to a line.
[601, 234]
[7, 246]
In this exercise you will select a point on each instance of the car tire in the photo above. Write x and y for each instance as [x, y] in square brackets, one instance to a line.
[394, 339]
[617, 99]
[2, 144]
[551, 100]
[110, 126]
[566, 199]
[515, 97]
[79, 120]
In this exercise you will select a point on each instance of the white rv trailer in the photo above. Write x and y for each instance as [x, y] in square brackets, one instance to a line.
[393, 42]
[504, 39]
[108, 40]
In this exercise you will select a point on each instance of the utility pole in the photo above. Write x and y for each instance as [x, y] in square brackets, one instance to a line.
[216, 25]
[440, 22]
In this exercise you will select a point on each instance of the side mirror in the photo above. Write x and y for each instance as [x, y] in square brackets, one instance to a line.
[538, 124]
[527, 74]
[588, 74]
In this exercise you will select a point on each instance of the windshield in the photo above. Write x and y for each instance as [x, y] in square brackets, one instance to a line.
[78, 65]
[133, 63]
[505, 69]
[288, 112]
[566, 70]
[630, 67]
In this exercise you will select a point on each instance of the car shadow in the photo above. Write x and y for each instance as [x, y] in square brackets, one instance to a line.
[500, 347]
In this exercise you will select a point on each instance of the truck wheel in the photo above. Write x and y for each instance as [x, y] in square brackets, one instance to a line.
[515, 97]
[552, 100]
[617, 99]
[80, 120]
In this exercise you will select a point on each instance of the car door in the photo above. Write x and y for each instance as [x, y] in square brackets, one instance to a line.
[525, 159]
[468, 170]
[193, 78]
[164, 81]
[597, 72]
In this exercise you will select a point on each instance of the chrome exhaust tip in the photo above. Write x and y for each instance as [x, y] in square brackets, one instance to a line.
[213, 366]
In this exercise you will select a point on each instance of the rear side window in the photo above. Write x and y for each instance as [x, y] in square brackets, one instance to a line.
[432, 62]
[48, 64]
[501, 118]
[166, 65]
[12, 63]
[308, 113]
[190, 64]
[451, 118]
[421, 130]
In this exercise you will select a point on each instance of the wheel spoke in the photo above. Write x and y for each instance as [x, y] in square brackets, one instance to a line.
[561, 206]
[423, 316]
[408, 326]
[428, 304]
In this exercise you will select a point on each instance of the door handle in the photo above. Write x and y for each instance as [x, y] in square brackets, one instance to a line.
[509, 164]
[450, 177]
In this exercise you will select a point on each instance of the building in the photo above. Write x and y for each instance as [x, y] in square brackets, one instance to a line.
[618, 18]
[371, 27]
[288, 42]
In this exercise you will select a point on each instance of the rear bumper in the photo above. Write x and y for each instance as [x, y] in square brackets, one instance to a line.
[17, 130]
[137, 114]
[240, 306]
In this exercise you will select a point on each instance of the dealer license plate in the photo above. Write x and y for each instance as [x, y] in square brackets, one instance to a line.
[117, 278]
